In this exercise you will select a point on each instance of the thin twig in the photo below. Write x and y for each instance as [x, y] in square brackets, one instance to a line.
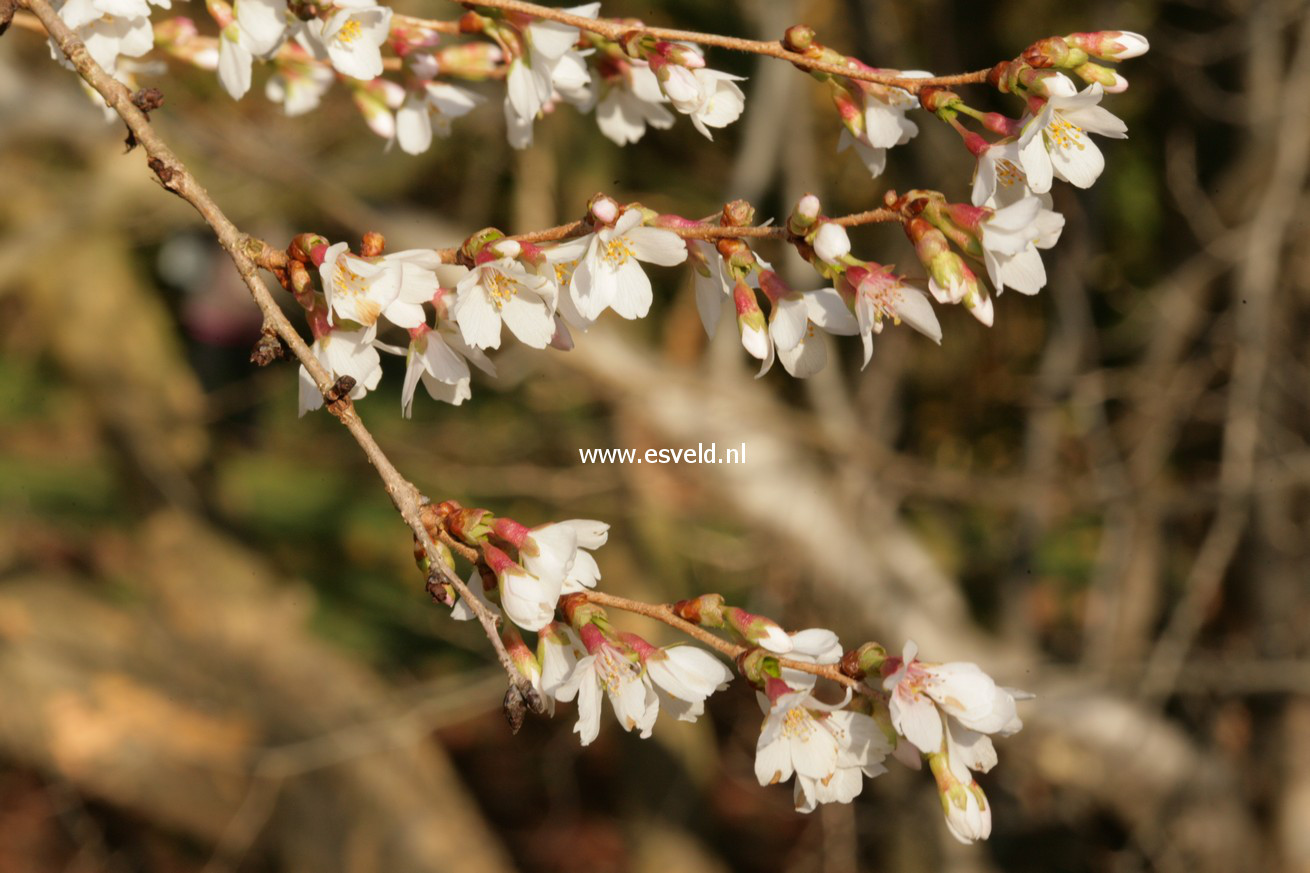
[664, 613]
[247, 253]
[707, 232]
[617, 30]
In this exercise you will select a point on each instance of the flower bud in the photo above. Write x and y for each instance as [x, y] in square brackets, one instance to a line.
[1110, 45]
[706, 610]
[831, 243]
[1053, 52]
[473, 246]
[603, 209]
[372, 245]
[750, 321]
[1111, 80]
[968, 816]
[798, 38]
[738, 213]
[802, 218]
[474, 61]
[758, 630]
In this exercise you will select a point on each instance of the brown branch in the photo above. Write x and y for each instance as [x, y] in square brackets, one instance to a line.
[617, 30]
[247, 253]
[664, 613]
[708, 231]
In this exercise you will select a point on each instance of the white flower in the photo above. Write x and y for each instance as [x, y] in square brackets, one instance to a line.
[499, 290]
[631, 100]
[551, 63]
[343, 353]
[951, 707]
[880, 294]
[264, 23]
[825, 747]
[815, 645]
[356, 288]
[429, 109]
[438, 359]
[1010, 240]
[110, 29]
[712, 282]
[528, 600]
[1055, 141]
[352, 38]
[998, 178]
[558, 650]
[793, 323]
[684, 677]
[583, 571]
[626, 685]
[462, 611]
[719, 101]
[610, 275]
[234, 60]
[884, 123]
[299, 85]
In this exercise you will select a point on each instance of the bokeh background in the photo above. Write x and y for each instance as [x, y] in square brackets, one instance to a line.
[215, 651]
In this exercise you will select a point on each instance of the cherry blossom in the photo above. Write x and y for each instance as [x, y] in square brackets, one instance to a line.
[610, 274]
[882, 123]
[551, 63]
[344, 353]
[1055, 141]
[949, 708]
[429, 106]
[528, 600]
[499, 290]
[825, 747]
[878, 294]
[299, 83]
[439, 359]
[1011, 237]
[615, 669]
[351, 38]
[631, 101]
[999, 179]
[684, 677]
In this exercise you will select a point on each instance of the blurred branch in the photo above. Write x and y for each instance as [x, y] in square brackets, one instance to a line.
[245, 253]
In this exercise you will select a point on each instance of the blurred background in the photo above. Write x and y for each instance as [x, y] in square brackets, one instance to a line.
[215, 651]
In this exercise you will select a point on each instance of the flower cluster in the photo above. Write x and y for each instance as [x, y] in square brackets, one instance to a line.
[544, 292]
[540, 580]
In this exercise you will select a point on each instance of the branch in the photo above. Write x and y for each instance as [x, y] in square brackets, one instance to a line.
[664, 613]
[617, 30]
[246, 253]
[706, 232]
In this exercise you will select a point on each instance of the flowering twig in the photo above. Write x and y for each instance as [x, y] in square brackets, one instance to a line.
[706, 232]
[247, 253]
[663, 612]
[617, 30]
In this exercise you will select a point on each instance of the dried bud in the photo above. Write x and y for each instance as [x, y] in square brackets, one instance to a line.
[706, 610]
[738, 213]
[372, 245]
[515, 708]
